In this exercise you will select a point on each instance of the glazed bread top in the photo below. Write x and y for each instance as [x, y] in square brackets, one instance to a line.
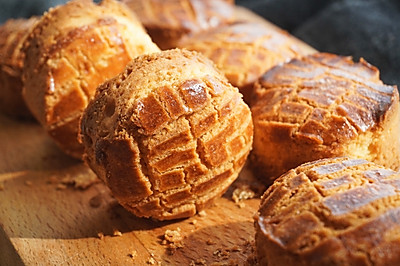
[73, 49]
[12, 36]
[323, 98]
[337, 211]
[167, 21]
[168, 134]
[244, 50]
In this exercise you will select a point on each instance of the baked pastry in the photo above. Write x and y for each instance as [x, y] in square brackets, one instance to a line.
[12, 35]
[337, 211]
[72, 49]
[167, 21]
[320, 106]
[244, 51]
[168, 135]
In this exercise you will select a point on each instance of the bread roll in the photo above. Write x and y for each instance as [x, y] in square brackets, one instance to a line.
[337, 211]
[12, 35]
[71, 50]
[244, 51]
[168, 135]
[168, 20]
[323, 105]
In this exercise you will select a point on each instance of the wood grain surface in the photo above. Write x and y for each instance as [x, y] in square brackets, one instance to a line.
[54, 211]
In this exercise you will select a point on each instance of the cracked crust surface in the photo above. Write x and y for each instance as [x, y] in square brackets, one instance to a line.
[70, 51]
[243, 51]
[12, 36]
[337, 211]
[168, 21]
[319, 106]
[168, 135]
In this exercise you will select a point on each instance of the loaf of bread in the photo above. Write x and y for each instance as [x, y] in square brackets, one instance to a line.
[244, 51]
[12, 36]
[71, 50]
[168, 20]
[320, 106]
[168, 135]
[336, 211]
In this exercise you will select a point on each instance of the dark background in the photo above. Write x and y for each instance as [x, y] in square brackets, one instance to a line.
[360, 28]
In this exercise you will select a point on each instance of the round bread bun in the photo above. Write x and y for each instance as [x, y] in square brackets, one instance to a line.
[244, 51]
[167, 135]
[321, 106]
[71, 50]
[12, 36]
[168, 21]
[336, 211]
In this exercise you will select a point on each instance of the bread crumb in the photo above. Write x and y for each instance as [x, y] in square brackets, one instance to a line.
[173, 239]
[223, 254]
[198, 262]
[100, 235]
[173, 235]
[242, 193]
[151, 260]
[194, 222]
[95, 201]
[52, 180]
[241, 205]
[202, 213]
[80, 180]
[61, 187]
[210, 242]
[235, 249]
[28, 183]
[133, 254]
[116, 232]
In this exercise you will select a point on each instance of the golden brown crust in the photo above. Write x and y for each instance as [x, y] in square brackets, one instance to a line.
[321, 106]
[12, 36]
[168, 21]
[71, 50]
[168, 135]
[244, 51]
[338, 211]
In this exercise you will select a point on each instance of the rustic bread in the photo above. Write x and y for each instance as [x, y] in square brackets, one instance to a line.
[168, 20]
[323, 105]
[336, 211]
[71, 50]
[168, 135]
[12, 36]
[244, 51]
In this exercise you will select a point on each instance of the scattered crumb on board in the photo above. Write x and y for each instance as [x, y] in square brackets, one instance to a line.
[152, 261]
[61, 186]
[198, 262]
[28, 183]
[116, 232]
[132, 254]
[242, 193]
[80, 180]
[202, 213]
[100, 235]
[173, 240]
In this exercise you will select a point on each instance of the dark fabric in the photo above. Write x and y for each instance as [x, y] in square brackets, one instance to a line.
[287, 14]
[361, 28]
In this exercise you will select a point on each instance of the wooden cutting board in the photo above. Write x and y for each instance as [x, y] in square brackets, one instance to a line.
[54, 211]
